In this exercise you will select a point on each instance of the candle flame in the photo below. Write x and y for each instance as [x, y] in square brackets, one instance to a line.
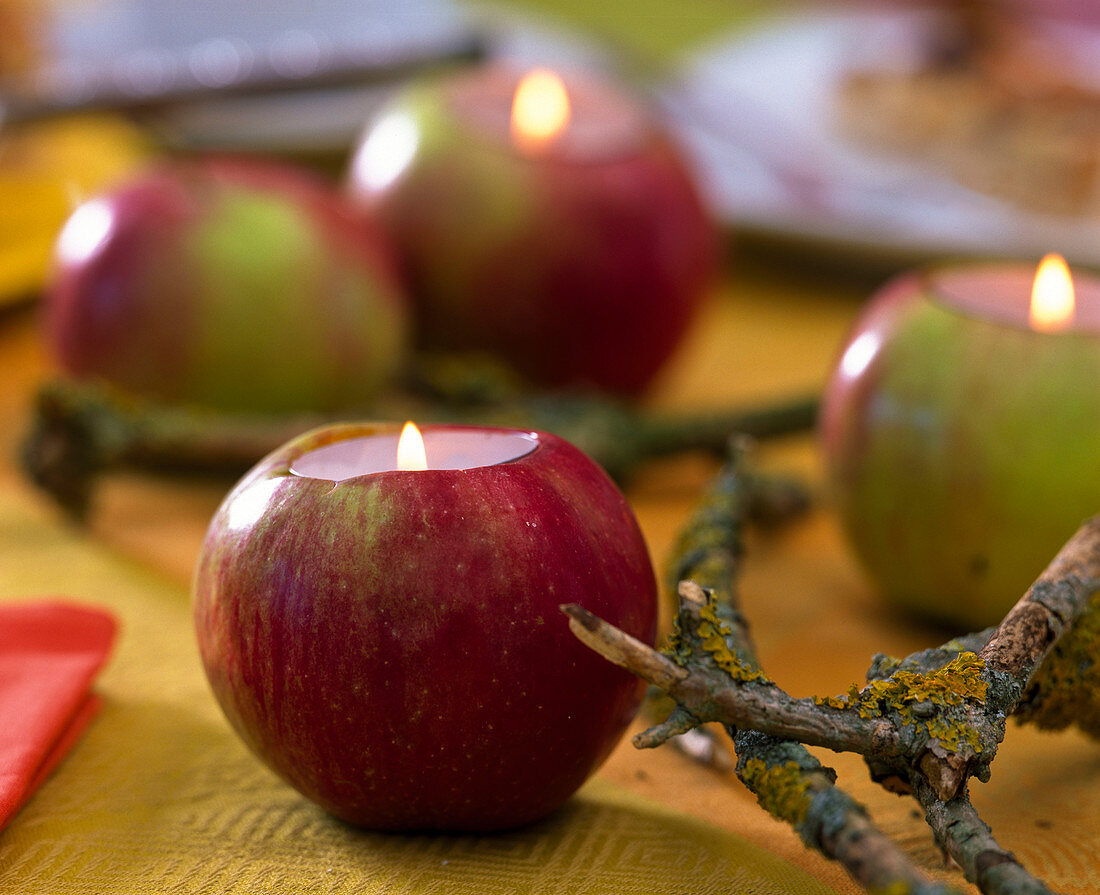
[1052, 299]
[410, 449]
[540, 108]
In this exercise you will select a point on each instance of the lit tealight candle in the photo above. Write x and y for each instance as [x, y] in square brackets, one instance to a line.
[437, 448]
[1053, 304]
[379, 618]
[540, 110]
[961, 430]
[543, 216]
[411, 453]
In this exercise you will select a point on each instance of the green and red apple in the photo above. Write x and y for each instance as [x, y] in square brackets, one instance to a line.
[962, 447]
[232, 283]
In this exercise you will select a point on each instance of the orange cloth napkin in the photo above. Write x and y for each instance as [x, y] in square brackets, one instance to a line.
[50, 651]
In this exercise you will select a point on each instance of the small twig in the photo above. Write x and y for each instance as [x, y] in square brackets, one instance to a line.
[969, 841]
[625, 651]
[80, 431]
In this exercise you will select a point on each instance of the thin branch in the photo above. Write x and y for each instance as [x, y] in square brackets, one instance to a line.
[622, 649]
[80, 431]
[1046, 612]
[969, 841]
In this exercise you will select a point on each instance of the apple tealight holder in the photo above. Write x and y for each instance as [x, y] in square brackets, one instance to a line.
[961, 433]
[545, 219]
[385, 633]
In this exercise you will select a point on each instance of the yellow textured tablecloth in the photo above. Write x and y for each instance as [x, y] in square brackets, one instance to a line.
[161, 797]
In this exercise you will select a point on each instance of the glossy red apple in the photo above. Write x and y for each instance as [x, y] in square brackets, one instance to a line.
[391, 643]
[962, 446]
[230, 283]
[581, 258]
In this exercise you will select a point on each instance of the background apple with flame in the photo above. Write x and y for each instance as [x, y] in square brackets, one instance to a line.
[556, 228]
[962, 440]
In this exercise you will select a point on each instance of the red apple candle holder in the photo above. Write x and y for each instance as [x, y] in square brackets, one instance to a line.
[961, 433]
[387, 637]
[549, 221]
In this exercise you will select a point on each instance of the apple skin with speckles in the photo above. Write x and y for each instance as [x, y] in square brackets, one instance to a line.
[231, 283]
[392, 644]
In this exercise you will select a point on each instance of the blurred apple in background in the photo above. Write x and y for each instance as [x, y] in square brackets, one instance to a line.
[963, 446]
[231, 283]
[579, 253]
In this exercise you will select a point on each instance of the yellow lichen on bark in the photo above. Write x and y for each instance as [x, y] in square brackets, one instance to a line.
[1066, 687]
[782, 790]
[907, 693]
[712, 634]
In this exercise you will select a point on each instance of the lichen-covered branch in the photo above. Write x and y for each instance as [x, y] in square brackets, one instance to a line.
[722, 686]
[1064, 690]
[1019, 646]
[81, 431]
[969, 841]
[926, 724]
[701, 685]
[789, 782]
[794, 786]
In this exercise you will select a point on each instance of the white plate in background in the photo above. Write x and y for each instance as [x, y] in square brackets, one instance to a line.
[756, 113]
